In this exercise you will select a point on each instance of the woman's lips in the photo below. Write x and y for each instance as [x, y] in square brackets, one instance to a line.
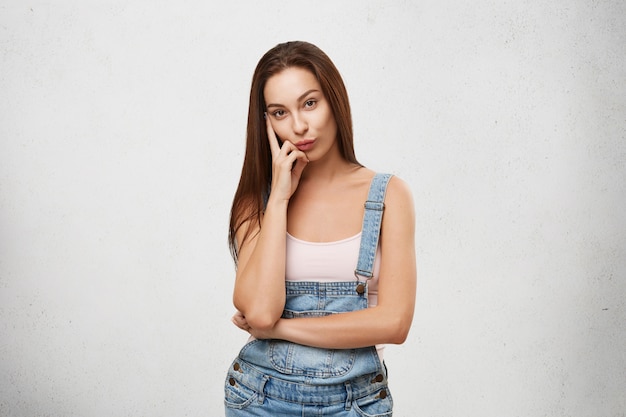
[305, 145]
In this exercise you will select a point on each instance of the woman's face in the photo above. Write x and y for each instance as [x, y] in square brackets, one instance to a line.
[299, 112]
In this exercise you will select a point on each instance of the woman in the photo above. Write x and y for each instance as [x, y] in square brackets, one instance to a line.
[324, 279]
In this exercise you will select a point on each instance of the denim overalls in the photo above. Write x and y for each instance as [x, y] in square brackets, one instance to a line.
[280, 378]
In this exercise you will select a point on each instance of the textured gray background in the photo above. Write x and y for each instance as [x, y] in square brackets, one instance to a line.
[121, 141]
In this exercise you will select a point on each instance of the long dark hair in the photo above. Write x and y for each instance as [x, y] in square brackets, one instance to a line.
[256, 173]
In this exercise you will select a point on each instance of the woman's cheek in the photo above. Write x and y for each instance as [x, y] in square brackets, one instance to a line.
[282, 135]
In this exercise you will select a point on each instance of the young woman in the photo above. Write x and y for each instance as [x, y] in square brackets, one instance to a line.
[324, 249]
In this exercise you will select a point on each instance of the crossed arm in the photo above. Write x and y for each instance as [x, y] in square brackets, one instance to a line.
[259, 294]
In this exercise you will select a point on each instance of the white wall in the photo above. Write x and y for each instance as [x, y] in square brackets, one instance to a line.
[121, 129]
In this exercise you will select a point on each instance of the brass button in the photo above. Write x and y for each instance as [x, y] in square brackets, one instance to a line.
[360, 289]
[379, 378]
[383, 394]
[236, 366]
[231, 381]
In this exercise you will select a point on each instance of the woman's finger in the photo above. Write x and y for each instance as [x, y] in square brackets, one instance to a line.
[291, 152]
[294, 157]
[301, 163]
[240, 321]
[271, 137]
[288, 165]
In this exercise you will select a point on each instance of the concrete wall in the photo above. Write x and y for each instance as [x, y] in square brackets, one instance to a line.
[121, 141]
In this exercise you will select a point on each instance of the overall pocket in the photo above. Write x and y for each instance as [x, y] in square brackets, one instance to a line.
[294, 359]
[236, 395]
[379, 404]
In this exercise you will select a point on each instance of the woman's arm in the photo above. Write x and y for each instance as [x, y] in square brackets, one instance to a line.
[259, 292]
[390, 320]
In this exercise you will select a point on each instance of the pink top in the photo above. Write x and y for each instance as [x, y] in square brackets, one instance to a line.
[328, 262]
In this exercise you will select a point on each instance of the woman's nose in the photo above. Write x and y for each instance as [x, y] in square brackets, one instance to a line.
[299, 124]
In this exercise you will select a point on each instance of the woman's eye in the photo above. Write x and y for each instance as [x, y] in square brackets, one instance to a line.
[309, 103]
[279, 113]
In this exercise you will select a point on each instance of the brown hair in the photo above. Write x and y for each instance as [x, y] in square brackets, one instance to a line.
[256, 173]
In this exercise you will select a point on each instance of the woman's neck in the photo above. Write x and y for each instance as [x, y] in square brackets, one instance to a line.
[327, 171]
[328, 168]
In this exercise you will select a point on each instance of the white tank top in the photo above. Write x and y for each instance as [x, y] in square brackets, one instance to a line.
[329, 262]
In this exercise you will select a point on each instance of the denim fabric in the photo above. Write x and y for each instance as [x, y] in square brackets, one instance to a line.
[372, 220]
[281, 378]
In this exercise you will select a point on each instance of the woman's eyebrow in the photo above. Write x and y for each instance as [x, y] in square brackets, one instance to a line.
[299, 98]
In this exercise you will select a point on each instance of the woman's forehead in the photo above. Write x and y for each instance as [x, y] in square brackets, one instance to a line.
[289, 85]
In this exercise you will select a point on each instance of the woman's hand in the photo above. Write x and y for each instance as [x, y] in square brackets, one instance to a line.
[288, 162]
[260, 282]
[240, 321]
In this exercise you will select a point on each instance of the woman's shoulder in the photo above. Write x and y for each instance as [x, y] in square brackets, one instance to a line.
[396, 188]
[398, 193]
[399, 212]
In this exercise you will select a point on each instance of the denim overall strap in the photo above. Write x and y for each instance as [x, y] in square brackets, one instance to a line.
[372, 221]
